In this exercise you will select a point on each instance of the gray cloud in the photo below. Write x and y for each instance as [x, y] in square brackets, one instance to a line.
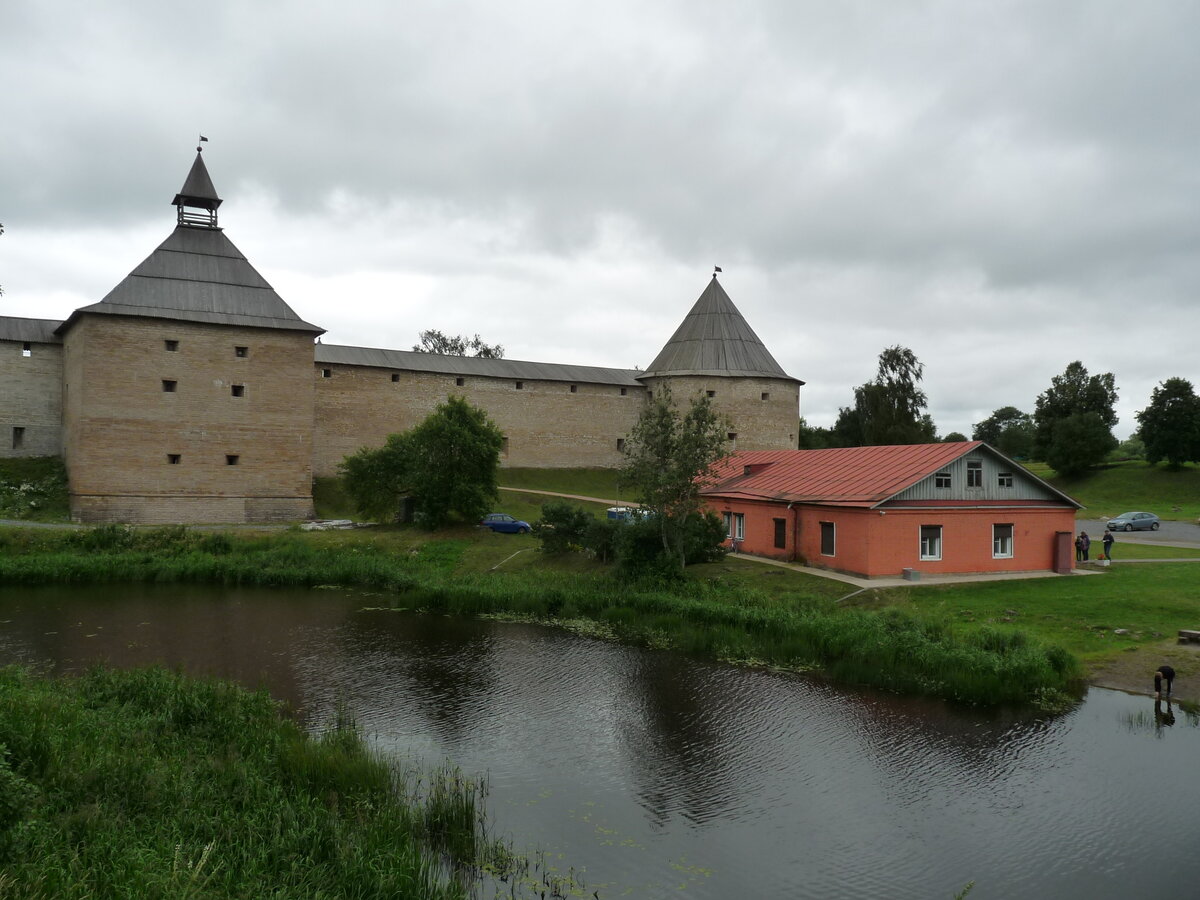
[1003, 188]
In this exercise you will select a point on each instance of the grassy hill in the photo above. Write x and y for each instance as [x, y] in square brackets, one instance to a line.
[1131, 485]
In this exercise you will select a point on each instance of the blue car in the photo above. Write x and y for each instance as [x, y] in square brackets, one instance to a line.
[505, 523]
[1133, 521]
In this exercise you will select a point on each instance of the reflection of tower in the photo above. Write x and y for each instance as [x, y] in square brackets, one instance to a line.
[188, 390]
[716, 352]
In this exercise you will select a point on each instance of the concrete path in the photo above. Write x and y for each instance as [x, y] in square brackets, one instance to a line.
[518, 490]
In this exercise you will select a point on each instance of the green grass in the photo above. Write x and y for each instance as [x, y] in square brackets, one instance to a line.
[1132, 485]
[1129, 550]
[1081, 614]
[719, 612]
[146, 783]
[601, 483]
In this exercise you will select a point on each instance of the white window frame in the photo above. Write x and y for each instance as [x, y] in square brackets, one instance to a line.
[999, 540]
[735, 526]
[942, 480]
[1004, 479]
[932, 550]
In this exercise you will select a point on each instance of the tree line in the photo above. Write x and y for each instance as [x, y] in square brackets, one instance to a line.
[1070, 428]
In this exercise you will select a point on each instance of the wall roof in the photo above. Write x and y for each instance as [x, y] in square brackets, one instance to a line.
[714, 339]
[35, 331]
[410, 360]
[845, 476]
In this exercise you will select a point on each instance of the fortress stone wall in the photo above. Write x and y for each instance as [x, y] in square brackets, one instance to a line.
[193, 393]
[546, 424]
[31, 410]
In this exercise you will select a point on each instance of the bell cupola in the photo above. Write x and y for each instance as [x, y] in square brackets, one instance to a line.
[197, 200]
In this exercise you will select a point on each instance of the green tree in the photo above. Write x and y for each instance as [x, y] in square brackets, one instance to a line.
[1008, 430]
[954, 437]
[1170, 425]
[1080, 441]
[1075, 393]
[667, 457]
[812, 437]
[890, 409]
[447, 465]
[434, 341]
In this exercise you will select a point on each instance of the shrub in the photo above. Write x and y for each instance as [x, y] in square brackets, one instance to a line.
[562, 527]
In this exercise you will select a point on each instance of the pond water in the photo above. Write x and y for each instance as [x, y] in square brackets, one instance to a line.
[659, 775]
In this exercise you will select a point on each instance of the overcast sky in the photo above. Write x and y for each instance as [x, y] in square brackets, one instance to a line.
[1001, 187]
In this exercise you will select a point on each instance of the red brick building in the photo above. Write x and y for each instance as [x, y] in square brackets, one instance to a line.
[948, 508]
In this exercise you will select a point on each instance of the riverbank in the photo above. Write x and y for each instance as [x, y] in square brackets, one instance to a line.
[148, 783]
[720, 611]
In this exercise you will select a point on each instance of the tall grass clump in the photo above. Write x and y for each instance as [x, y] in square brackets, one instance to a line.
[150, 784]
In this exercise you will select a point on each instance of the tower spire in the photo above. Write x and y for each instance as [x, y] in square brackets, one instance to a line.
[198, 194]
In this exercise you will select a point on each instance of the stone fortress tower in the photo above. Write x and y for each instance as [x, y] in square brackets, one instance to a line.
[193, 393]
[716, 352]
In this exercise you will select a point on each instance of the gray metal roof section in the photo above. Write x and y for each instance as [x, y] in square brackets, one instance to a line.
[198, 188]
[198, 275]
[34, 331]
[714, 339]
[516, 369]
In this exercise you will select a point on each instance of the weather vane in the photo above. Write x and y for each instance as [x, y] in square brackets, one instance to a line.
[203, 140]
[716, 269]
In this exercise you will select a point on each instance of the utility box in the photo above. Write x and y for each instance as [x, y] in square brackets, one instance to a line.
[911, 575]
[1064, 553]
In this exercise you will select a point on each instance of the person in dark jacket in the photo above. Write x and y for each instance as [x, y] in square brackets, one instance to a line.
[1108, 542]
[1161, 674]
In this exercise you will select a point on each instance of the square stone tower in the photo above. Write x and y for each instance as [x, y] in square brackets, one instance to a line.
[188, 390]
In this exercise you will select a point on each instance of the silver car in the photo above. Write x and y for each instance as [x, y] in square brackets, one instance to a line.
[1133, 521]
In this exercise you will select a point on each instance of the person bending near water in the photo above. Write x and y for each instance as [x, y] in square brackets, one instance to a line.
[1161, 674]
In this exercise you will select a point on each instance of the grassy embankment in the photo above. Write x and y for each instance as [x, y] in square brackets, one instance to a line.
[1114, 488]
[733, 610]
[151, 784]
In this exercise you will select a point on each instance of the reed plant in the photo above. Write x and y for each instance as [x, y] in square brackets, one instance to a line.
[147, 783]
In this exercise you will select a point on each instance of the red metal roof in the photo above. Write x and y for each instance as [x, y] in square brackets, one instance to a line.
[845, 476]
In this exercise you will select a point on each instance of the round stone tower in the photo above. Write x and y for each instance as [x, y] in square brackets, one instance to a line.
[716, 352]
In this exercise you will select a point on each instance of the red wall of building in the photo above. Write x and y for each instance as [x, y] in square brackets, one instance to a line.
[868, 543]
